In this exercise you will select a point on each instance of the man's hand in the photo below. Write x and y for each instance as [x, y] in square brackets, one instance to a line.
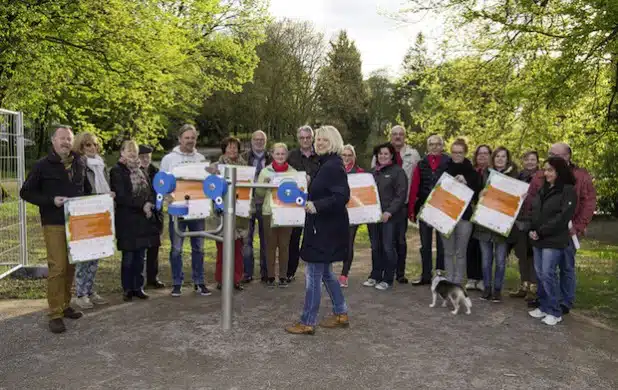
[412, 218]
[386, 216]
[461, 179]
[59, 201]
[112, 194]
[310, 208]
[533, 235]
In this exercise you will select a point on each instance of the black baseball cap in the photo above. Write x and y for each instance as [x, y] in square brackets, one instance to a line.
[144, 149]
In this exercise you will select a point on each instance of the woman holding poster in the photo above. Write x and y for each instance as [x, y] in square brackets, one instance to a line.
[393, 188]
[349, 163]
[136, 226]
[455, 246]
[325, 238]
[494, 247]
[552, 209]
[276, 237]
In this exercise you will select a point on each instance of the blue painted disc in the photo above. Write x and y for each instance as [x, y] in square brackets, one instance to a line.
[164, 183]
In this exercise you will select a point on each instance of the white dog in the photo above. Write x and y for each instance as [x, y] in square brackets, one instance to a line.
[451, 291]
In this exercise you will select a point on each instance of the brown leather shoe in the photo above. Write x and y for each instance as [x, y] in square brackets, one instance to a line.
[299, 328]
[57, 325]
[336, 321]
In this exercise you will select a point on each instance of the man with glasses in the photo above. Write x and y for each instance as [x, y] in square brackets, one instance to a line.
[425, 177]
[407, 158]
[586, 205]
[259, 158]
[302, 159]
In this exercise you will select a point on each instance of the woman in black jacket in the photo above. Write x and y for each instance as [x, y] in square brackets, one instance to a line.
[456, 244]
[135, 218]
[325, 238]
[552, 210]
[392, 186]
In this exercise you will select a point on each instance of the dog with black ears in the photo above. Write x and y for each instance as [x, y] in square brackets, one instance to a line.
[449, 291]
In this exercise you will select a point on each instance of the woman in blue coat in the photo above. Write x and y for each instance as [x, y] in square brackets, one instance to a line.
[325, 240]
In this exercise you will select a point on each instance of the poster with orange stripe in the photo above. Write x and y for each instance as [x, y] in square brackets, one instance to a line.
[189, 184]
[244, 174]
[287, 214]
[89, 225]
[364, 205]
[446, 204]
[500, 203]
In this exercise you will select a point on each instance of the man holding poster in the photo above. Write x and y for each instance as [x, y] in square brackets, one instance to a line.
[53, 180]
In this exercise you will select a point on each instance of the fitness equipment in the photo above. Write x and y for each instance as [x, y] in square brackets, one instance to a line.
[289, 192]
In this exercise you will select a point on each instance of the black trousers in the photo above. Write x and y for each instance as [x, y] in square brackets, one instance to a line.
[347, 263]
[294, 251]
[152, 264]
[401, 228]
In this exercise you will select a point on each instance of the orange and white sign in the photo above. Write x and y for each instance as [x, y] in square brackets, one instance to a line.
[287, 214]
[189, 179]
[90, 228]
[446, 204]
[244, 174]
[500, 203]
[364, 205]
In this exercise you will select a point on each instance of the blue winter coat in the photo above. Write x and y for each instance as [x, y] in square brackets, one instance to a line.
[325, 238]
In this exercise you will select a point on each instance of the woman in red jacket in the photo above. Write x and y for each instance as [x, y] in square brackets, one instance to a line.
[349, 161]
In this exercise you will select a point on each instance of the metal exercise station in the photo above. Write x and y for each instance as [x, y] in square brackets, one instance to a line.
[222, 192]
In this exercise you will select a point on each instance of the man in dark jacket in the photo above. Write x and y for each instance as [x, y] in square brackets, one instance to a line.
[53, 181]
[152, 254]
[424, 178]
[259, 158]
[584, 211]
[302, 159]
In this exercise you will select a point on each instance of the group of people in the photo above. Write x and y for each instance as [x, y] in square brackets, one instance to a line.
[560, 203]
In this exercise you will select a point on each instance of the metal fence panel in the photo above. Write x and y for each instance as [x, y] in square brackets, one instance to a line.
[13, 228]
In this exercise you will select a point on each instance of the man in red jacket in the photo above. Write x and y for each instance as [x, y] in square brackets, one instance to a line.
[586, 205]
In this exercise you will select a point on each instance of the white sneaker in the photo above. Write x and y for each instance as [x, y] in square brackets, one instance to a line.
[382, 286]
[83, 302]
[97, 299]
[551, 320]
[370, 283]
[471, 285]
[537, 313]
[480, 286]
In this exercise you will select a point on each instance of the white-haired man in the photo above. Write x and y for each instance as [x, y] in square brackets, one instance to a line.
[302, 159]
[407, 158]
[584, 211]
[425, 177]
[259, 158]
[186, 153]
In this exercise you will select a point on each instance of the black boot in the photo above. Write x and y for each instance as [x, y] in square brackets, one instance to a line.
[127, 296]
[140, 294]
[73, 314]
[57, 326]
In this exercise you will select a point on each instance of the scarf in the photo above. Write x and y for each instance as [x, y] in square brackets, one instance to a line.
[228, 161]
[349, 167]
[97, 166]
[67, 162]
[258, 162]
[280, 167]
[380, 167]
[139, 182]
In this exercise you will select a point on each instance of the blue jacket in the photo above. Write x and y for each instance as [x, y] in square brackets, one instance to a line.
[325, 239]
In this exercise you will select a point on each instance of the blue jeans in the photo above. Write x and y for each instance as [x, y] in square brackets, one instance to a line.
[197, 251]
[131, 269]
[383, 251]
[315, 274]
[567, 275]
[488, 248]
[545, 262]
[426, 233]
[248, 257]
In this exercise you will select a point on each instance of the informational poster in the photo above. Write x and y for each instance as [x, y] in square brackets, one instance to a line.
[244, 174]
[89, 224]
[446, 203]
[500, 203]
[288, 214]
[364, 205]
[189, 178]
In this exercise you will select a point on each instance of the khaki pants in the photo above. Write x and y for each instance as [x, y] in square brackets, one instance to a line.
[277, 238]
[60, 278]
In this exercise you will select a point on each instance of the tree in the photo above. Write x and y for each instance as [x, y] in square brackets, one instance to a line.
[341, 92]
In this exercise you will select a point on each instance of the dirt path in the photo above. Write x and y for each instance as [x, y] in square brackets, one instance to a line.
[396, 342]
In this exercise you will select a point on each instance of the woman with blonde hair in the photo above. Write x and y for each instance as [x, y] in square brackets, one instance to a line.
[135, 219]
[88, 146]
[277, 238]
[326, 231]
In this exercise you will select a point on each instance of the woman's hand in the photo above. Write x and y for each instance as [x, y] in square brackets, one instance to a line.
[533, 235]
[212, 169]
[310, 208]
[112, 194]
[148, 209]
[386, 216]
[267, 180]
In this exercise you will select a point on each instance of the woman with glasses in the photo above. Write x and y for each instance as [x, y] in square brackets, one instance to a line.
[349, 163]
[87, 145]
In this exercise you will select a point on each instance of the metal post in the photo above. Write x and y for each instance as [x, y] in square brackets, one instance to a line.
[229, 232]
[21, 168]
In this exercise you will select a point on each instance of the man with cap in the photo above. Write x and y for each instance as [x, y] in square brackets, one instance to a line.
[152, 254]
